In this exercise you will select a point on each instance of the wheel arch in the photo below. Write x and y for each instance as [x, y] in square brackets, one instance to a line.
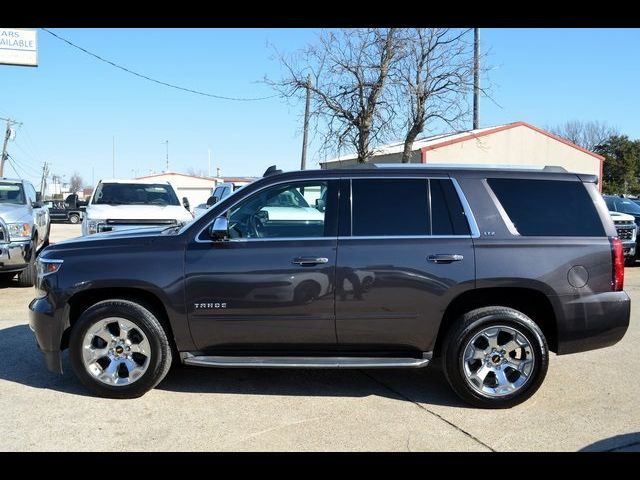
[533, 303]
[81, 301]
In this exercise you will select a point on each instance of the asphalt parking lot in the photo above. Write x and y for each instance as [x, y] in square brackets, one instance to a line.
[589, 401]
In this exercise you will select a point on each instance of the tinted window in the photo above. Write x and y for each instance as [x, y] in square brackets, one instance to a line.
[134, 194]
[281, 211]
[548, 207]
[625, 205]
[390, 207]
[447, 214]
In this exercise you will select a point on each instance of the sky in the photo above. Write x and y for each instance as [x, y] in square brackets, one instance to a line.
[72, 106]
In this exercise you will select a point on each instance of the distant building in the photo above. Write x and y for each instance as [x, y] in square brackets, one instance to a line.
[196, 189]
[516, 143]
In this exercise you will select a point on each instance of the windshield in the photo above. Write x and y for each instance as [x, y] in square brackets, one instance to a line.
[11, 193]
[134, 194]
[627, 206]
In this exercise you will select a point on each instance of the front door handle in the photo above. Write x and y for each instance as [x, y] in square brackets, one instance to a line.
[308, 261]
[445, 258]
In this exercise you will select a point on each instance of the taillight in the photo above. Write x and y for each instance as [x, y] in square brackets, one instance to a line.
[617, 256]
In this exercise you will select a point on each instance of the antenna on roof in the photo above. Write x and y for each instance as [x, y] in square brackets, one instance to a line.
[272, 170]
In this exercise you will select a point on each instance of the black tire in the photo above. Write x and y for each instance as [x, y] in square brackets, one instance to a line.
[160, 357]
[471, 323]
[27, 277]
[74, 218]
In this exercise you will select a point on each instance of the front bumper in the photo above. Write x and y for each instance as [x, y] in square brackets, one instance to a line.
[48, 329]
[593, 321]
[14, 256]
[629, 247]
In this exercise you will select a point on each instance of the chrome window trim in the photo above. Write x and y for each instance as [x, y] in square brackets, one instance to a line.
[473, 226]
[471, 220]
[503, 213]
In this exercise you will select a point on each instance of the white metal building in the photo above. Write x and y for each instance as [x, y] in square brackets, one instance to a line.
[196, 189]
[516, 143]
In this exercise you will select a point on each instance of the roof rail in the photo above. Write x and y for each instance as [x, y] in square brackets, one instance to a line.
[471, 166]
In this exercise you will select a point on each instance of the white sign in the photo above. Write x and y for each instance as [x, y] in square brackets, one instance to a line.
[19, 46]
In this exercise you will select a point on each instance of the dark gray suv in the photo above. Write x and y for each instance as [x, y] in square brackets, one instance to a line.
[364, 268]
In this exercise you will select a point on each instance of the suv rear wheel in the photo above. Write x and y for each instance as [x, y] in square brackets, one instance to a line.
[495, 357]
[118, 349]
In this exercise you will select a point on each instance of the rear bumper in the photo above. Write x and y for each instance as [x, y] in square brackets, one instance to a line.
[47, 329]
[14, 256]
[593, 321]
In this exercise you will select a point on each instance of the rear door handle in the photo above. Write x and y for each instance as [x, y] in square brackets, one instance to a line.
[307, 261]
[445, 258]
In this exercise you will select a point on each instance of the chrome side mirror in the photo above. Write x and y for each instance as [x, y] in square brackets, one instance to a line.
[219, 230]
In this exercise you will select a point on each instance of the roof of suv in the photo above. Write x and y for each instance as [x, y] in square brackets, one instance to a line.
[11, 180]
[552, 172]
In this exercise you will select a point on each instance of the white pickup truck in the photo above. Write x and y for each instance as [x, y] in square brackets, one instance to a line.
[125, 204]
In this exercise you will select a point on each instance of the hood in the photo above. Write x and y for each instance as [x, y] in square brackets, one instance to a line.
[131, 212]
[622, 217]
[11, 213]
[144, 234]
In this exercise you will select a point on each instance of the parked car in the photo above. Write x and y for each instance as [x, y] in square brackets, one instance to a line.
[628, 207]
[223, 190]
[627, 232]
[24, 230]
[199, 210]
[128, 204]
[64, 212]
[487, 269]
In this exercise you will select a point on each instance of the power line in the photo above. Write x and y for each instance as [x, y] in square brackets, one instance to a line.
[13, 167]
[220, 97]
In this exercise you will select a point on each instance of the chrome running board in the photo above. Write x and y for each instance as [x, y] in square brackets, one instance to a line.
[304, 362]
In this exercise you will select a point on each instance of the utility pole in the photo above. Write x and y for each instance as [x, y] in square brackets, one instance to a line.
[209, 151]
[167, 143]
[476, 78]
[303, 162]
[7, 135]
[113, 152]
[43, 182]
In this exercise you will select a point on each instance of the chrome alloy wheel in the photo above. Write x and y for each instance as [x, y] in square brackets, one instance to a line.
[116, 351]
[498, 361]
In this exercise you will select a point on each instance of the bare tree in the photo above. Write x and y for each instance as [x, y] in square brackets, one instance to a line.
[431, 79]
[349, 70]
[75, 183]
[587, 134]
[196, 172]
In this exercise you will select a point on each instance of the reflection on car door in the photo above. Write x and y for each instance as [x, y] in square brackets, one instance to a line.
[408, 254]
[272, 284]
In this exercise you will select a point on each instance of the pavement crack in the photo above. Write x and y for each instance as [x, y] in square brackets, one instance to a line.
[419, 405]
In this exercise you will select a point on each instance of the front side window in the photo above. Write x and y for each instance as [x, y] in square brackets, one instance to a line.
[283, 211]
[134, 194]
[31, 193]
[12, 193]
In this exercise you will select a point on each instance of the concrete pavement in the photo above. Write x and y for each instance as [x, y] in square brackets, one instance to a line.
[587, 402]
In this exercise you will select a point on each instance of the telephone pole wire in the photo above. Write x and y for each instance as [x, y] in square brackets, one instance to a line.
[305, 135]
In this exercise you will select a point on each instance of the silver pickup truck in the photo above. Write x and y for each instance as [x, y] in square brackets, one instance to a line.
[24, 230]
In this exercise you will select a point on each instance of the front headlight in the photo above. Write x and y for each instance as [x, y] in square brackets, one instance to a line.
[47, 266]
[19, 231]
[92, 226]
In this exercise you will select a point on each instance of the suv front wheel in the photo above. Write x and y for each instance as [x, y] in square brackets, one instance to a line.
[495, 357]
[118, 349]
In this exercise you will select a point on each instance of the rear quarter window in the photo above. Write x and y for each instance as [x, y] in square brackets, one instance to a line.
[548, 207]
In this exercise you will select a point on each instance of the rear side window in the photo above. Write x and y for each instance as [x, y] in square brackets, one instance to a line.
[447, 214]
[385, 207]
[548, 207]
